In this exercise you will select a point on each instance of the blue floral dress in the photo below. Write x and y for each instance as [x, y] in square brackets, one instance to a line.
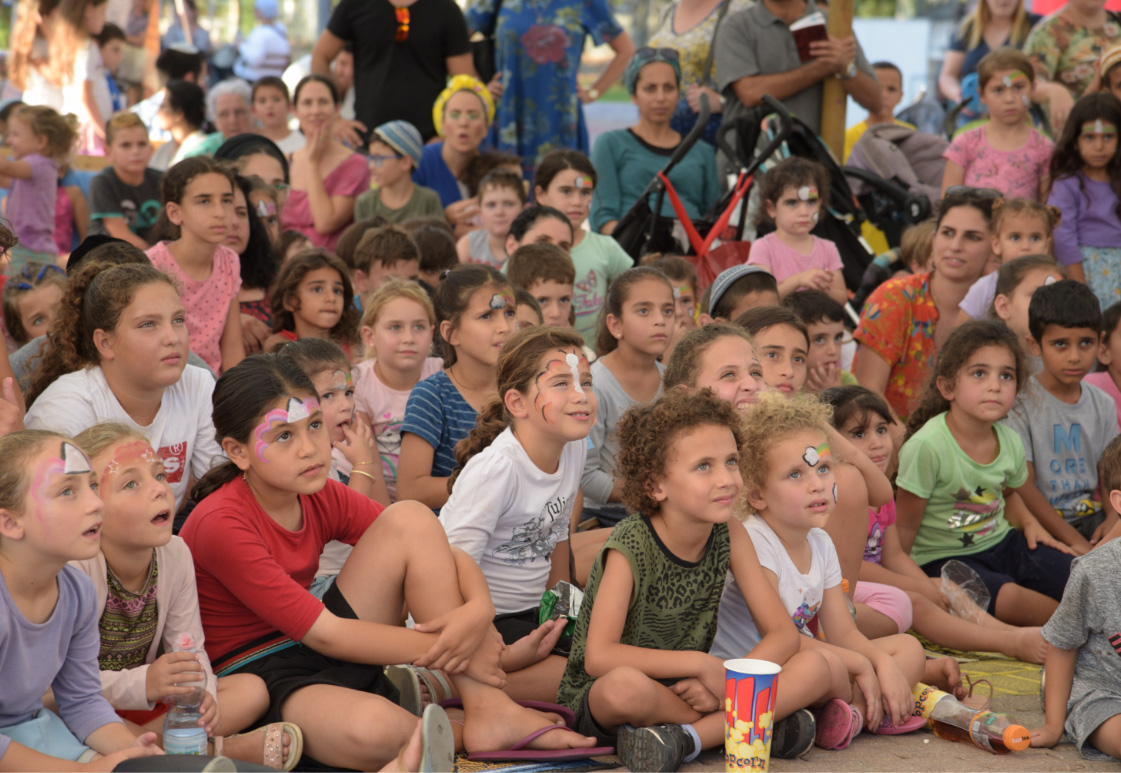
[538, 44]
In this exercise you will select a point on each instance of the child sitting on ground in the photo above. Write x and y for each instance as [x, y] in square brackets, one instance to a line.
[737, 290]
[1065, 424]
[271, 106]
[824, 319]
[795, 192]
[1108, 377]
[683, 276]
[382, 253]
[395, 149]
[31, 299]
[501, 198]
[528, 311]
[437, 253]
[631, 638]
[125, 196]
[546, 272]
[313, 298]
[1083, 687]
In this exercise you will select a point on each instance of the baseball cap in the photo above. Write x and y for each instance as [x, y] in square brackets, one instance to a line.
[727, 278]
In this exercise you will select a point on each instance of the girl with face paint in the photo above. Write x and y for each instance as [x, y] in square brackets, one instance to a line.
[795, 193]
[50, 514]
[262, 522]
[518, 486]
[1006, 154]
[475, 315]
[1086, 169]
[791, 491]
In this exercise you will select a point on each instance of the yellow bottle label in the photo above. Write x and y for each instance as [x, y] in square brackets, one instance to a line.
[925, 697]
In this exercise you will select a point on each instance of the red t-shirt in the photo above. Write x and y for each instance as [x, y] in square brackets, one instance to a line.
[252, 574]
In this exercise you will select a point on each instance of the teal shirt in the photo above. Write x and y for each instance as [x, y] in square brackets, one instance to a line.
[625, 165]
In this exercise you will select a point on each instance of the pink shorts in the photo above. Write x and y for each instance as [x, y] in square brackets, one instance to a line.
[887, 600]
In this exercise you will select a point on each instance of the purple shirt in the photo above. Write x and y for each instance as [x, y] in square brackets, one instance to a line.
[31, 205]
[60, 653]
[1089, 216]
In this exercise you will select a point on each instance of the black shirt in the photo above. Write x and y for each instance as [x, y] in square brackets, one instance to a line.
[400, 80]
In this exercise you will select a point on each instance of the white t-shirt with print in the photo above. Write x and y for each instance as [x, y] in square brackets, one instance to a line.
[801, 594]
[182, 432]
[508, 514]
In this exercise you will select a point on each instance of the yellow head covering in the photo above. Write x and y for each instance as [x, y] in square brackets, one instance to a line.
[456, 84]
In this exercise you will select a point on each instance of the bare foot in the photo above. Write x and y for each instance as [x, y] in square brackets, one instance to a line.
[509, 723]
[1026, 644]
[251, 746]
[944, 674]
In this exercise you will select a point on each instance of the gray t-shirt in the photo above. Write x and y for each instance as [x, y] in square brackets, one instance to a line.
[138, 205]
[756, 42]
[1089, 620]
[1064, 442]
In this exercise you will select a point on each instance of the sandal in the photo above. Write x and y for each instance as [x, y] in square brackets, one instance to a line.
[909, 726]
[409, 681]
[979, 703]
[273, 753]
[837, 724]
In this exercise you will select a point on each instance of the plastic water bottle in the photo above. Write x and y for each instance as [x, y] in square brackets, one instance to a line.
[182, 733]
[951, 719]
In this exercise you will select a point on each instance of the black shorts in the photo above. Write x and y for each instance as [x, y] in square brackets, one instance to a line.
[290, 669]
[1044, 570]
[586, 723]
[516, 625]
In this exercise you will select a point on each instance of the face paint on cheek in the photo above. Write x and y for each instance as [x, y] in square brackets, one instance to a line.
[814, 217]
[39, 483]
[1025, 100]
[834, 493]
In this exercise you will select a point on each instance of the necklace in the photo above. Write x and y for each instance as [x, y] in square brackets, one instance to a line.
[460, 384]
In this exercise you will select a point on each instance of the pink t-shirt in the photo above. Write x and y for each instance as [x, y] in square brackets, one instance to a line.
[386, 409]
[207, 302]
[1104, 382]
[879, 518]
[785, 261]
[1015, 173]
[349, 178]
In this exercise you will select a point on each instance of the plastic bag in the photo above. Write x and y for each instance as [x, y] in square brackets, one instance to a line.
[965, 591]
[562, 601]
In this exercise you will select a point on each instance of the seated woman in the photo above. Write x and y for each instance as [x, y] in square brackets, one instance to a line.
[327, 176]
[905, 321]
[181, 115]
[463, 113]
[626, 160]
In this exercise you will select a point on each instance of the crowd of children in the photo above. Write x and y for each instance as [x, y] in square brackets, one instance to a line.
[345, 442]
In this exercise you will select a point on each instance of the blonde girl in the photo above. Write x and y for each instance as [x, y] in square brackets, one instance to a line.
[76, 65]
[475, 315]
[41, 141]
[398, 322]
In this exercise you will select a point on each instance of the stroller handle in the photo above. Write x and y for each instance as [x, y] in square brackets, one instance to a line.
[757, 114]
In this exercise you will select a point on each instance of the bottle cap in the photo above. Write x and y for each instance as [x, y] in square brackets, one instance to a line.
[1016, 737]
[844, 585]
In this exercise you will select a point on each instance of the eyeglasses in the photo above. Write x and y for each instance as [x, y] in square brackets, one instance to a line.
[646, 52]
[978, 193]
[379, 160]
[402, 25]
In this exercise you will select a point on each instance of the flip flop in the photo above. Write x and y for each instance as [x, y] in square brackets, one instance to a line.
[437, 753]
[979, 703]
[519, 752]
[567, 714]
[912, 724]
[409, 681]
[834, 724]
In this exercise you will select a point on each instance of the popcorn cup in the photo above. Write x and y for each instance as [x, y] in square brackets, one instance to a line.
[749, 709]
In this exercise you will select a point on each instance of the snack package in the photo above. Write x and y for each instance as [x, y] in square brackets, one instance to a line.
[563, 600]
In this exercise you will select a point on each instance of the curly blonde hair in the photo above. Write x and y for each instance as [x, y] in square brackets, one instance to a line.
[647, 434]
[772, 420]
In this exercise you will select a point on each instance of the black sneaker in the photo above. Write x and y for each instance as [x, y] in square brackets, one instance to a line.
[794, 735]
[655, 748]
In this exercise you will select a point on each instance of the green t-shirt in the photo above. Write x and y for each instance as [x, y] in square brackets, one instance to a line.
[673, 606]
[598, 259]
[424, 202]
[965, 500]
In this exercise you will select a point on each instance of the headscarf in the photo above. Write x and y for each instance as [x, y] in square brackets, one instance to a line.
[645, 56]
[455, 85]
[250, 145]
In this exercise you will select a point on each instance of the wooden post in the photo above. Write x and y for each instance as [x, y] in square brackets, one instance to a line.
[834, 98]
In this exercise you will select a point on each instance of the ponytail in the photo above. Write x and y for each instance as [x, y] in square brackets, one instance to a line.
[492, 422]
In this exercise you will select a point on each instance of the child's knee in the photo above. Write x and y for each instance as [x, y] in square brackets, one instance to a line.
[907, 652]
[622, 690]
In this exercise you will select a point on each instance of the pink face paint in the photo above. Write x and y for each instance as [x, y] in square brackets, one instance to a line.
[295, 410]
[46, 470]
[136, 450]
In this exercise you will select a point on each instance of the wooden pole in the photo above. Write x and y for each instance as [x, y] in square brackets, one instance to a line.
[834, 98]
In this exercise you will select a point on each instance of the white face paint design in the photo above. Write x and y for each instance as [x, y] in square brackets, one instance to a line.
[574, 363]
[497, 301]
[341, 379]
[811, 456]
[834, 493]
[1007, 81]
[297, 410]
[814, 217]
[1050, 280]
[1098, 128]
[1025, 100]
[805, 192]
[74, 462]
[677, 293]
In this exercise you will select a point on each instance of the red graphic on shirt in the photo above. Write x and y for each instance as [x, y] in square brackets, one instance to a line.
[174, 461]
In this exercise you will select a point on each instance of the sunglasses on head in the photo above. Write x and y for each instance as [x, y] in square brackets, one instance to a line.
[646, 52]
[991, 194]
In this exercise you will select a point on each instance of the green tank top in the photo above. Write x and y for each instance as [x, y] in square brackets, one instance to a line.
[673, 606]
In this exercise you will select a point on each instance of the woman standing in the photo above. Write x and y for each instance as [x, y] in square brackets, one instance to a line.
[537, 47]
[905, 320]
[326, 175]
[689, 26]
[626, 160]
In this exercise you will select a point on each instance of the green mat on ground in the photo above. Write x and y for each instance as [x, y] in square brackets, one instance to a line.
[464, 765]
[1009, 677]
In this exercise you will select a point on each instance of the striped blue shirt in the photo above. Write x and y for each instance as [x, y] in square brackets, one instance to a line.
[437, 412]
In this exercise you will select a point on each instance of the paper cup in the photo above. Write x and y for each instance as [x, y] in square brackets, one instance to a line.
[749, 709]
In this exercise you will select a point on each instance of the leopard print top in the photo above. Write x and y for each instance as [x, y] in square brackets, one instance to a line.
[674, 602]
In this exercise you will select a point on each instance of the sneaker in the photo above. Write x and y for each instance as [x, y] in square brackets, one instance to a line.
[794, 735]
[654, 748]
